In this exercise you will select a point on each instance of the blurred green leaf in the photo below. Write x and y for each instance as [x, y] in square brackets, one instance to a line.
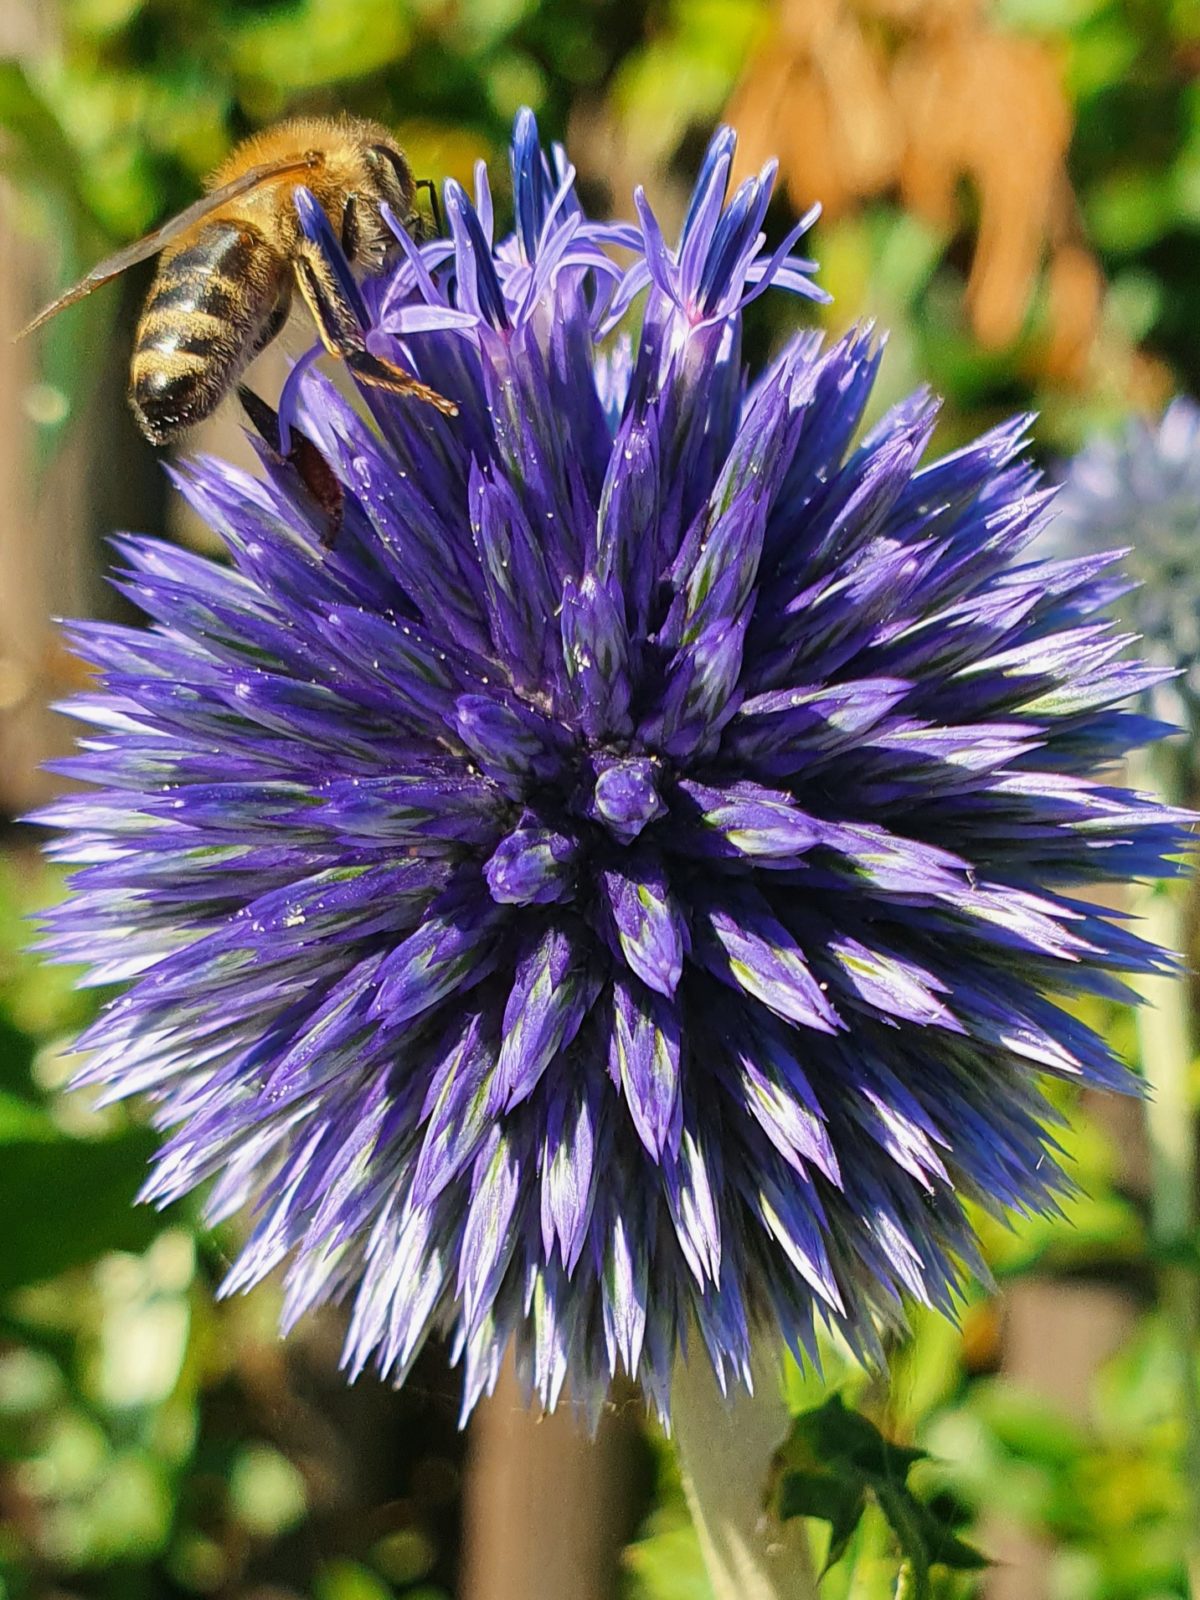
[66, 1201]
[22, 1121]
[667, 1566]
[34, 144]
[348, 1580]
[682, 74]
[319, 42]
[131, 1510]
[100, 17]
[267, 1491]
[404, 1557]
[1026, 1425]
[37, 153]
[1131, 209]
[16, 1059]
[927, 1369]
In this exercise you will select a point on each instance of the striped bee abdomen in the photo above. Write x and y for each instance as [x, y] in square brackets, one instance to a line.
[214, 304]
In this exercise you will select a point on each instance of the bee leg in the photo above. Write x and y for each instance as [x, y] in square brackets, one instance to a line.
[435, 208]
[342, 336]
[350, 227]
[263, 418]
[274, 325]
[310, 466]
[322, 483]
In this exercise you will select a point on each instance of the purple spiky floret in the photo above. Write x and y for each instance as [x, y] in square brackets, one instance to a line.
[623, 884]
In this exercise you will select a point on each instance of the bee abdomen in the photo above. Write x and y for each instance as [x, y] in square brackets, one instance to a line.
[204, 319]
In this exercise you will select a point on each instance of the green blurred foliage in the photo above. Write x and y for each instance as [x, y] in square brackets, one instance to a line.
[155, 1440]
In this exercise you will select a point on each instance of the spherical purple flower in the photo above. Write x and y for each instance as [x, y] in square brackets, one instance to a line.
[621, 882]
[1141, 489]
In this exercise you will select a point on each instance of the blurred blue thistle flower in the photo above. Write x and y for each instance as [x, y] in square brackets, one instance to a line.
[1141, 489]
[621, 885]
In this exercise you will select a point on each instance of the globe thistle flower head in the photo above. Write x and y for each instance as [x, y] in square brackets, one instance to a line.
[618, 886]
[1141, 490]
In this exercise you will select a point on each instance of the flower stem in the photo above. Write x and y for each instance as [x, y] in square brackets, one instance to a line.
[1165, 1043]
[725, 1453]
[1165, 1025]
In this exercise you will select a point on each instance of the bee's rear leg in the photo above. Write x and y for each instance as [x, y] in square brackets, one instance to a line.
[301, 454]
[342, 336]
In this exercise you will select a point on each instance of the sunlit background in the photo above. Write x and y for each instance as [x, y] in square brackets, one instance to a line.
[1013, 190]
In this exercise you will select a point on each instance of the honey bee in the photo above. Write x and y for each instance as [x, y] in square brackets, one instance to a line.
[230, 262]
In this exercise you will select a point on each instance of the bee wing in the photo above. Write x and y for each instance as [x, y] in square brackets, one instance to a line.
[152, 243]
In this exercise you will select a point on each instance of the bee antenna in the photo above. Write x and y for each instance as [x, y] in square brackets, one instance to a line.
[434, 206]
